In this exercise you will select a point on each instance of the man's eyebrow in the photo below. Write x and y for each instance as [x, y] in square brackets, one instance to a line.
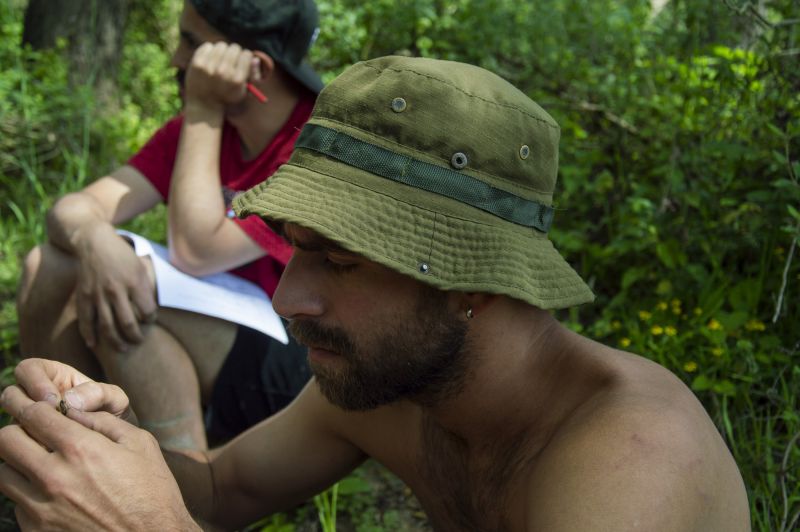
[319, 244]
[314, 243]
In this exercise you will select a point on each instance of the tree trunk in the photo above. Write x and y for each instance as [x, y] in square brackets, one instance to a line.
[93, 31]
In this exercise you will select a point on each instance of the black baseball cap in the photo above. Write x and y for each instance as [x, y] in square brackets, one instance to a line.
[283, 29]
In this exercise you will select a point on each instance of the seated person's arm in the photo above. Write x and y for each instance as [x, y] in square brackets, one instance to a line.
[110, 200]
[274, 466]
[114, 293]
[202, 240]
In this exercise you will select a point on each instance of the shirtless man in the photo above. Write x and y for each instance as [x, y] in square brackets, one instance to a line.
[418, 200]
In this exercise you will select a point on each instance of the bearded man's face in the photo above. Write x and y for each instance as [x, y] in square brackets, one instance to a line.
[416, 354]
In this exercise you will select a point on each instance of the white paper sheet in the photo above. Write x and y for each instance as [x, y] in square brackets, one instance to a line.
[221, 295]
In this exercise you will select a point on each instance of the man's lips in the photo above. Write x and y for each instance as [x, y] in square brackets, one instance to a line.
[321, 353]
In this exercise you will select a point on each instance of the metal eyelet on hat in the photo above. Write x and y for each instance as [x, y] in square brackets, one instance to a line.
[399, 105]
[524, 151]
[423, 267]
[459, 160]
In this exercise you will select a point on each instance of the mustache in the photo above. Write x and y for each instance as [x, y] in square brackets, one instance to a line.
[307, 333]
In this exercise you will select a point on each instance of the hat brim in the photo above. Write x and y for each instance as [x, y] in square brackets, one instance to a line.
[403, 228]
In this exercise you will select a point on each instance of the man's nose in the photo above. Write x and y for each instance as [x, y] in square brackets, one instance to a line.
[298, 294]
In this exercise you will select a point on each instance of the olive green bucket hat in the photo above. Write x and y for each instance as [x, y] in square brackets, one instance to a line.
[439, 170]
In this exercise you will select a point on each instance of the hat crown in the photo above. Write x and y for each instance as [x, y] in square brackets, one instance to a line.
[285, 30]
[449, 114]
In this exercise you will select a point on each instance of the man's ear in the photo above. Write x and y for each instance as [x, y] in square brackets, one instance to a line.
[266, 65]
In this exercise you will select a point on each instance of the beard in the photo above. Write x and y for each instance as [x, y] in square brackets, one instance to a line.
[422, 357]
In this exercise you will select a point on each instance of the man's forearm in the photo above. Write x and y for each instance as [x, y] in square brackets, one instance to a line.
[196, 209]
[196, 480]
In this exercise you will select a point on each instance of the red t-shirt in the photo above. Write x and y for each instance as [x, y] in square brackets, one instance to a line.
[157, 158]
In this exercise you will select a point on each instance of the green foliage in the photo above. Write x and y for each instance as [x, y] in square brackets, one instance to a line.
[678, 195]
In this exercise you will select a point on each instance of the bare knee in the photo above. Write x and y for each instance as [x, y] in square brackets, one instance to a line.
[46, 283]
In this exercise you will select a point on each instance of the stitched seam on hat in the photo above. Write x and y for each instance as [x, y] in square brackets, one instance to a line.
[471, 170]
[433, 236]
[507, 106]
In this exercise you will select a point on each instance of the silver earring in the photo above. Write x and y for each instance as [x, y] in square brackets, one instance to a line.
[470, 315]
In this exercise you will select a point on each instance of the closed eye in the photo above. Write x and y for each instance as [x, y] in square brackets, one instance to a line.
[340, 262]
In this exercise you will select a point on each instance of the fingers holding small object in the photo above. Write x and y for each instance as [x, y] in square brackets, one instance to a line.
[63, 407]
[98, 396]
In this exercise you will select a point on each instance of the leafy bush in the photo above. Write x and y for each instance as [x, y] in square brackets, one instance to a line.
[678, 191]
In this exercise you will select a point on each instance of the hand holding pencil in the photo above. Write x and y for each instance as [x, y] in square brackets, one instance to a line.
[222, 74]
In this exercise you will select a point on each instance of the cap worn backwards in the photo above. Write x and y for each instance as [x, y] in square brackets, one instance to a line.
[439, 170]
[285, 30]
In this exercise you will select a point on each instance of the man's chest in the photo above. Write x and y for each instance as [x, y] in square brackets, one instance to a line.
[458, 489]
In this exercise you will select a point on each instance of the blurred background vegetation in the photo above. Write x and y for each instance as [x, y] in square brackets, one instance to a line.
[678, 196]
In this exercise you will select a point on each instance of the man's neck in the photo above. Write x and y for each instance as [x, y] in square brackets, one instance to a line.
[530, 374]
[257, 123]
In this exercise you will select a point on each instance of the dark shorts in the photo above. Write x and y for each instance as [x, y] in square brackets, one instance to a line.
[259, 377]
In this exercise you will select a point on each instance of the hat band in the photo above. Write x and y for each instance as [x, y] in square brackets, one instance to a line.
[419, 174]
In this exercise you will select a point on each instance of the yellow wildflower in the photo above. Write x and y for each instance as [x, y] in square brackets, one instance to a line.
[657, 330]
[644, 315]
[625, 342]
[676, 311]
[690, 367]
[662, 305]
[697, 311]
[675, 302]
[755, 325]
[616, 325]
[714, 325]
[717, 351]
[669, 330]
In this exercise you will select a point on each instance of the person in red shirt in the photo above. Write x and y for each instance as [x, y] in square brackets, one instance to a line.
[86, 298]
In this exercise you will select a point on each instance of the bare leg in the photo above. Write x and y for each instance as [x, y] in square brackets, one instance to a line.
[46, 309]
[165, 376]
[171, 373]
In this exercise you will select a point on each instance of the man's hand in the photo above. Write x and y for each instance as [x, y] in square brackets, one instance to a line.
[218, 75]
[50, 381]
[100, 473]
[114, 292]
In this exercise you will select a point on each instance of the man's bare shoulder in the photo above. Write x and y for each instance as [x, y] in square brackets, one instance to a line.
[641, 455]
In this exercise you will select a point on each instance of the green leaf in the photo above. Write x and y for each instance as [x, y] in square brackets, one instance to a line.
[725, 387]
[701, 383]
[350, 485]
[732, 320]
[670, 253]
[745, 295]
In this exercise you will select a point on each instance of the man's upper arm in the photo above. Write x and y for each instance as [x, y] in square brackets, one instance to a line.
[283, 461]
[124, 194]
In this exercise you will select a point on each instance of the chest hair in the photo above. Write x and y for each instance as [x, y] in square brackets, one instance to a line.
[468, 491]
